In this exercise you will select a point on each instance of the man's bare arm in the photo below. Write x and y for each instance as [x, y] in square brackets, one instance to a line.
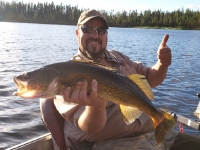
[158, 72]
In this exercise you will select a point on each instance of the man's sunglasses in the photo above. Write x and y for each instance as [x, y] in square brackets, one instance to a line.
[88, 29]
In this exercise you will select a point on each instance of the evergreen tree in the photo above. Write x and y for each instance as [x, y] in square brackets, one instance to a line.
[67, 14]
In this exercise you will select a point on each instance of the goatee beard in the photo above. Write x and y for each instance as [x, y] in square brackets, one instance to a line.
[94, 56]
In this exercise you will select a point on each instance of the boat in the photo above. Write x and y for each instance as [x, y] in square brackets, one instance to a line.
[43, 142]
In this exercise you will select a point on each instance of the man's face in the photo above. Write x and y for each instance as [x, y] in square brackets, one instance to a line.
[92, 44]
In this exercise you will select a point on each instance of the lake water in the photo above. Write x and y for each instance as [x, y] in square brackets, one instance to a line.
[24, 47]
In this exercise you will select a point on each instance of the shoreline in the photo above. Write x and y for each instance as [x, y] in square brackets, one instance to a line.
[141, 27]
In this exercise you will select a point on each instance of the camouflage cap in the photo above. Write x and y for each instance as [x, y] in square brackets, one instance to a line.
[90, 14]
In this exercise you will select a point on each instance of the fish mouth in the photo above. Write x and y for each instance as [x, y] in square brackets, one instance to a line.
[22, 87]
[20, 84]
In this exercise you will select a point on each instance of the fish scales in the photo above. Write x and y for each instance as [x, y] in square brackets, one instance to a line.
[132, 93]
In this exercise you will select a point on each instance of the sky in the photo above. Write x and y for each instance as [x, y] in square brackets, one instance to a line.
[119, 5]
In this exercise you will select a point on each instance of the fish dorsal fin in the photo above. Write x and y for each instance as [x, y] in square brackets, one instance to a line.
[130, 113]
[141, 81]
[96, 64]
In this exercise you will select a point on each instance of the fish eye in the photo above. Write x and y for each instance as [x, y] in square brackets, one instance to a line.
[26, 75]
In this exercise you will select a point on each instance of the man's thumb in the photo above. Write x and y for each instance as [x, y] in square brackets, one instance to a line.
[164, 40]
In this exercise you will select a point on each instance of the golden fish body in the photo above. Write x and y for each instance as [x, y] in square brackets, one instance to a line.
[132, 93]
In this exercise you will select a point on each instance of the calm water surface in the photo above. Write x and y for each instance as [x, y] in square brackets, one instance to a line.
[24, 47]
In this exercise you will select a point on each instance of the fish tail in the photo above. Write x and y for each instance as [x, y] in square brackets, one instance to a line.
[166, 124]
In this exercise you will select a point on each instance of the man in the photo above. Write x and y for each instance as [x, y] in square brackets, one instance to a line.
[95, 123]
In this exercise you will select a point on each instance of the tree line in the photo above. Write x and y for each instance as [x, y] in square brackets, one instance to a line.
[67, 14]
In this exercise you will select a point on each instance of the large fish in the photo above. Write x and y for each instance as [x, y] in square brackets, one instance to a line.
[132, 92]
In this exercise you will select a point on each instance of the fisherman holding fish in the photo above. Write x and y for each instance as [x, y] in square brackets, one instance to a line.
[87, 120]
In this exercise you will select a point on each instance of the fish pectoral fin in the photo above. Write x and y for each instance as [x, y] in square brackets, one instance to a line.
[130, 113]
[96, 64]
[141, 81]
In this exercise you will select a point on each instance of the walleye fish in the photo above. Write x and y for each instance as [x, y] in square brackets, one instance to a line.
[132, 92]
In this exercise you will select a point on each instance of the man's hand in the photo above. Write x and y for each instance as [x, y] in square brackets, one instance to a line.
[79, 95]
[93, 118]
[164, 53]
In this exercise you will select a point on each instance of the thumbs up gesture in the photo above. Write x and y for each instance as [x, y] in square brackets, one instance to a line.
[164, 53]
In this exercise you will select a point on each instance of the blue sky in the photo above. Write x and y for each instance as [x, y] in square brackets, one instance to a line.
[119, 5]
